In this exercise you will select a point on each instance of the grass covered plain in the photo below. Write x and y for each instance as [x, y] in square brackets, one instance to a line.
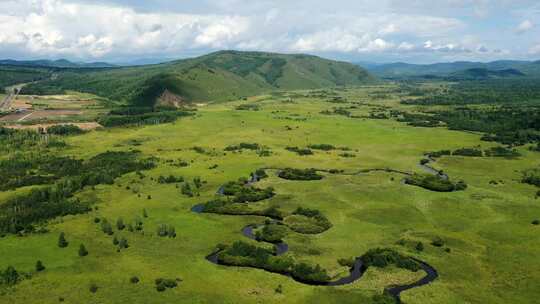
[493, 246]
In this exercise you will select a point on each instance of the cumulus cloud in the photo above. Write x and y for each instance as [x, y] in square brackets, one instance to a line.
[87, 29]
[524, 26]
[535, 50]
[54, 27]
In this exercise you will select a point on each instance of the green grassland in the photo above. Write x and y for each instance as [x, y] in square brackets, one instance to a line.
[494, 248]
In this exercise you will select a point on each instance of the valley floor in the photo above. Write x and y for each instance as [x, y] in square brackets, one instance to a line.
[493, 248]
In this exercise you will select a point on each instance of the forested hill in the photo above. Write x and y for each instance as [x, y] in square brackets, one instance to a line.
[220, 76]
[453, 70]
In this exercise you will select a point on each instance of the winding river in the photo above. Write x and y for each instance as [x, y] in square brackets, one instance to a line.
[355, 272]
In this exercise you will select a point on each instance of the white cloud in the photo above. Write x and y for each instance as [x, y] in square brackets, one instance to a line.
[406, 46]
[88, 29]
[524, 26]
[535, 50]
[54, 27]
[377, 45]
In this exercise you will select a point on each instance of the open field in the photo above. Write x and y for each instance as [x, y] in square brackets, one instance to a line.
[493, 247]
[52, 109]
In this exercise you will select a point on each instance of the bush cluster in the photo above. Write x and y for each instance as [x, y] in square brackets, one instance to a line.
[435, 183]
[300, 174]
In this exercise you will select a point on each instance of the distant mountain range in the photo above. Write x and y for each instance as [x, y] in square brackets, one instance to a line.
[61, 63]
[455, 70]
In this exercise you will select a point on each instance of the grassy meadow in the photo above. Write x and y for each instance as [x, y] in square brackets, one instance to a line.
[494, 248]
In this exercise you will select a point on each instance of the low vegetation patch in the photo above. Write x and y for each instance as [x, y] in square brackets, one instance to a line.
[164, 284]
[300, 174]
[242, 193]
[148, 118]
[435, 183]
[323, 147]
[307, 221]
[531, 177]
[272, 233]
[300, 151]
[244, 254]
[383, 257]
[171, 179]
[502, 152]
[65, 130]
[242, 146]
[248, 107]
[468, 152]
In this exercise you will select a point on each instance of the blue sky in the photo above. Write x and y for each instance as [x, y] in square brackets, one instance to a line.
[419, 31]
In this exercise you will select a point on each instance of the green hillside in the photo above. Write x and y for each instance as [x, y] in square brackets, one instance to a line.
[10, 75]
[218, 76]
[465, 69]
[482, 74]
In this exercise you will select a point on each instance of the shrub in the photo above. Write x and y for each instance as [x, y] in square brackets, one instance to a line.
[323, 147]
[162, 230]
[93, 288]
[242, 193]
[62, 243]
[272, 233]
[115, 241]
[171, 232]
[308, 273]
[163, 284]
[161, 287]
[244, 254]
[241, 146]
[437, 242]
[437, 154]
[300, 151]
[434, 183]
[260, 173]
[134, 280]
[186, 190]
[39, 266]
[419, 246]
[468, 152]
[197, 182]
[65, 130]
[299, 174]
[531, 177]
[536, 222]
[123, 243]
[82, 251]
[9, 277]
[120, 224]
[502, 152]
[106, 227]
[171, 179]
[383, 257]
[349, 262]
